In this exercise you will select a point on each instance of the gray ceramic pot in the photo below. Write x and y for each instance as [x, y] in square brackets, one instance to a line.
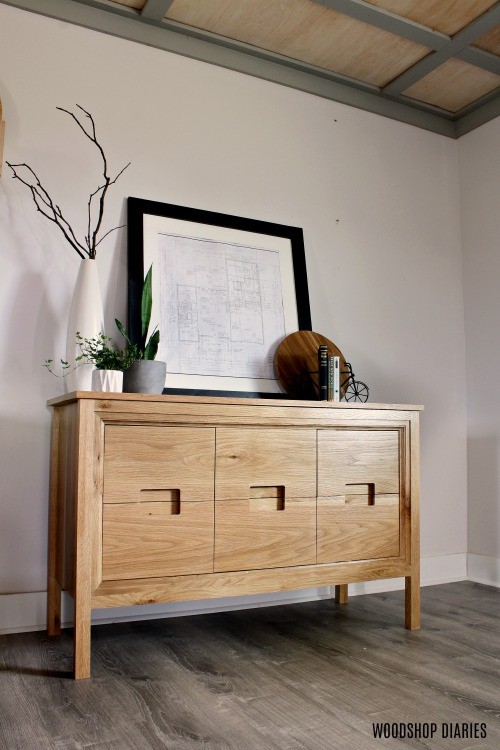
[145, 376]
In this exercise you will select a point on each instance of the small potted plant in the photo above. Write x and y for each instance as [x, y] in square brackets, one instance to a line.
[146, 374]
[109, 361]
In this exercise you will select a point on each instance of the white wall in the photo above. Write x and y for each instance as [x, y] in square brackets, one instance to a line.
[378, 202]
[479, 163]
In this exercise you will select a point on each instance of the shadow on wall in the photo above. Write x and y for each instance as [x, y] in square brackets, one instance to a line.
[24, 469]
[31, 328]
[483, 515]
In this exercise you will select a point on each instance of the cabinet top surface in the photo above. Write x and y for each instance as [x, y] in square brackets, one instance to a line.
[281, 402]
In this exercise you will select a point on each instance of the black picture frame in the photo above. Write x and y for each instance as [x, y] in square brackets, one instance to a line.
[139, 213]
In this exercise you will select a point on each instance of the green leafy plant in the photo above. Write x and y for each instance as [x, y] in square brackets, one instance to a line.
[99, 351]
[147, 348]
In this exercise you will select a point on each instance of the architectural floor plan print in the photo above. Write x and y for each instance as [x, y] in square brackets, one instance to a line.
[221, 307]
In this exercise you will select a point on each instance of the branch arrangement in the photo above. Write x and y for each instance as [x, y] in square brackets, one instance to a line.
[95, 207]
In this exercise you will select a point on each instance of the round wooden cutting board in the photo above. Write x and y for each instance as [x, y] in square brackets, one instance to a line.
[296, 363]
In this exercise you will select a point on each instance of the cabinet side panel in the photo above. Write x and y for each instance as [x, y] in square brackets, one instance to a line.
[97, 498]
[67, 490]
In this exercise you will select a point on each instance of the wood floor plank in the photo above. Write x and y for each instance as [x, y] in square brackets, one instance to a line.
[311, 676]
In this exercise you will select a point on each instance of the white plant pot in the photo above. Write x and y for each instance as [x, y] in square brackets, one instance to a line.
[110, 381]
[86, 316]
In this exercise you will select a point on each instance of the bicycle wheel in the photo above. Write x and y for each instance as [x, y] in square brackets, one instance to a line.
[356, 391]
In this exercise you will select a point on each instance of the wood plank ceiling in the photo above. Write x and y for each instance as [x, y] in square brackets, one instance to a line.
[440, 57]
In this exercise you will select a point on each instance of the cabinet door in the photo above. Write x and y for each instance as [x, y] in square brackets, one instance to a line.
[146, 540]
[158, 507]
[265, 461]
[146, 463]
[359, 494]
[265, 489]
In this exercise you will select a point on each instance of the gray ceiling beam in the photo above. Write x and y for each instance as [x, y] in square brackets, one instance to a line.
[457, 44]
[156, 10]
[387, 21]
[480, 58]
[266, 66]
[125, 23]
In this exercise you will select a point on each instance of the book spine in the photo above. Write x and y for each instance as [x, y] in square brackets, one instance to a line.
[323, 372]
[330, 377]
[336, 378]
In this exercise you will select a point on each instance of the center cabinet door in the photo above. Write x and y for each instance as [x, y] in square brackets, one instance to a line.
[265, 498]
[158, 501]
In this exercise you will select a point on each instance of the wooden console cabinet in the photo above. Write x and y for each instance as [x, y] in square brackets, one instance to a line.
[170, 498]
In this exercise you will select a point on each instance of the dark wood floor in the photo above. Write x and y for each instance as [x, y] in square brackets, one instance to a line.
[309, 676]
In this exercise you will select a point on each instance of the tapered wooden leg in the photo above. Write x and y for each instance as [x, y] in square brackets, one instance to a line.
[83, 541]
[341, 593]
[81, 636]
[412, 602]
[54, 608]
[412, 582]
[53, 585]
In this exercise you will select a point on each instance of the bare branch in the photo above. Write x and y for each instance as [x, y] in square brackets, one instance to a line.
[109, 232]
[51, 211]
[112, 182]
[46, 207]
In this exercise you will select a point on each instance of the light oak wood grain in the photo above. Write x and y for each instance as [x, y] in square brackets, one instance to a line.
[490, 41]
[342, 593]
[356, 532]
[261, 457]
[412, 582]
[247, 457]
[145, 458]
[453, 85]
[306, 31]
[106, 401]
[296, 363]
[446, 16]
[157, 539]
[55, 539]
[348, 460]
[256, 533]
[238, 583]
[84, 539]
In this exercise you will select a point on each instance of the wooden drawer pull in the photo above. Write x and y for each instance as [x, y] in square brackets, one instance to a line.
[370, 490]
[172, 496]
[266, 492]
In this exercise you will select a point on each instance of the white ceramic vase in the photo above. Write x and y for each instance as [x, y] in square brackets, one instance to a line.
[86, 316]
[110, 381]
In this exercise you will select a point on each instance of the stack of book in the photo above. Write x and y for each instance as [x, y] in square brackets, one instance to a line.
[329, 375]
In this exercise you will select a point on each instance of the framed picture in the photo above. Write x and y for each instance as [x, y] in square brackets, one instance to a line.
[226, 291]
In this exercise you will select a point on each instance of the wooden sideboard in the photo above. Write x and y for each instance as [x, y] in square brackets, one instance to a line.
[171, 498]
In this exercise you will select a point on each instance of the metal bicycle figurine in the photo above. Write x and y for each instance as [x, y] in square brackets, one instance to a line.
[353, 390]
